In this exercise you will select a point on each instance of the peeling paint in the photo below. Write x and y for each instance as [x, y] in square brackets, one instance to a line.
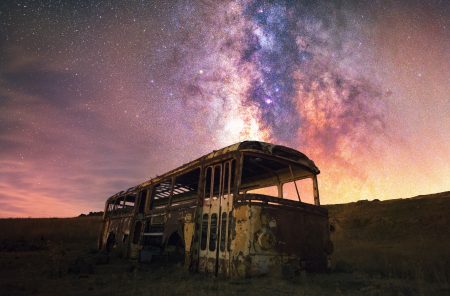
[250, 234]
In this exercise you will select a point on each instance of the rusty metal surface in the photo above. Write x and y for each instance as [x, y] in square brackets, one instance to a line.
[268, 238]
[267, 233]
[250, 146]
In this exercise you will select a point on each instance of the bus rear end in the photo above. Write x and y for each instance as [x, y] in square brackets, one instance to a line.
[279, 225]
[273, 236]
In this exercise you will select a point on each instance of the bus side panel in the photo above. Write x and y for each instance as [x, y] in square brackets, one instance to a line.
[298, 233]
[248, 258]
[104, 234]
[240, 242]
[269, 238]
[119, 229]
[175, 225]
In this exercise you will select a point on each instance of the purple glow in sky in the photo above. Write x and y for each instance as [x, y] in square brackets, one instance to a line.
[96, 97]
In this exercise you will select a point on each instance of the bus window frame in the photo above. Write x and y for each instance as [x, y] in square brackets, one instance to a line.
[140, 200]
[117, 202]
[283, 160]
[130, 208]
[152, 196]
[234, 178]
[228, 168]
[205, 183]
[199, 185]
[219, 193]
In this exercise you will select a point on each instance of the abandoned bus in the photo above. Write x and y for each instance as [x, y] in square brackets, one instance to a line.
[248, 209]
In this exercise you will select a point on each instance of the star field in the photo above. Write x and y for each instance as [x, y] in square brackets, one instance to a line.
[98, 96]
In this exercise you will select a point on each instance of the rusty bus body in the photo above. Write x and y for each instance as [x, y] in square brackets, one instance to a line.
[225, 214]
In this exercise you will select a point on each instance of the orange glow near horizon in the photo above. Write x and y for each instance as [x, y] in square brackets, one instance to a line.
[94, 106]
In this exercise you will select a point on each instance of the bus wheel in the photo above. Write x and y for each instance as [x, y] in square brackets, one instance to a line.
[175, 249]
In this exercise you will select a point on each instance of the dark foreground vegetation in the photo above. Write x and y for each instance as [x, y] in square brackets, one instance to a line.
[397, 247]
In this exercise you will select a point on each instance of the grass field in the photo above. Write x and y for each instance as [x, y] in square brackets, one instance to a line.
[397, 247]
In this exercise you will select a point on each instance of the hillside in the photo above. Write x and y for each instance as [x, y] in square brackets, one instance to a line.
[403, 237]
[395, 247]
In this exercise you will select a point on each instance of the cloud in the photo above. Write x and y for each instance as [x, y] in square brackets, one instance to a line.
[93, 106]
[61, 88]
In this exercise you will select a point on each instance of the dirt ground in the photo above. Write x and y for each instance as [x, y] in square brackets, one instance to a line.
[397, 247]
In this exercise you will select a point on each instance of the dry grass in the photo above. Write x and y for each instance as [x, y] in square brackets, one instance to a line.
[56, 229]
[402, 238]
[381, 248]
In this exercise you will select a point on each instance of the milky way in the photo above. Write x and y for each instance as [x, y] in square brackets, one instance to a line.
[272, 48]
[288, 65]
[268, 60]
[292, 48]
[96, 97]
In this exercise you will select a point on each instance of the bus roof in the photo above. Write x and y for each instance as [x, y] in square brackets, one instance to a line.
[249, 146]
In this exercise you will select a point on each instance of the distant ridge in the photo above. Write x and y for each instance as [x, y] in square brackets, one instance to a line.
[91, 214]
[444, 194]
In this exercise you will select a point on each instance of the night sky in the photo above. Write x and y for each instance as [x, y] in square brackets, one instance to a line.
[98, 96]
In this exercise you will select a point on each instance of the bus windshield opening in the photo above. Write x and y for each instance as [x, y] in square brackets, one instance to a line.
[277, 178]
